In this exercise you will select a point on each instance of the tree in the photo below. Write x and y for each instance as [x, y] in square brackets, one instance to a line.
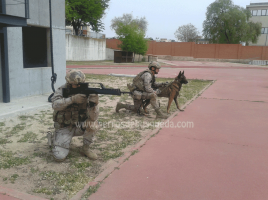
[128, 19]
[186, 33]
[85, 12]
[227, 23]
[132, 38]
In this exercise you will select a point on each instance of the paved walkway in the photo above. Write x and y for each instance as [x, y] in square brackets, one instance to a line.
[223, 157]
[24, 106]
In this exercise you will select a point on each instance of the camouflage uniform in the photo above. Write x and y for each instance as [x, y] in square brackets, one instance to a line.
[69, 113]
[143, 85]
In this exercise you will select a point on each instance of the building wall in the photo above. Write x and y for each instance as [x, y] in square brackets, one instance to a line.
[109, 54]
[1, 86]
[263, 39]
[15, 8]
[35, 81]
[83, 48]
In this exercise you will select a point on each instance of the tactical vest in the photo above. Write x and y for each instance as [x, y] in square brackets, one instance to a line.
[70, 116]
[138, 81]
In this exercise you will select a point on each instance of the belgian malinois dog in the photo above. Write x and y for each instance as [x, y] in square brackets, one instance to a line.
[170, 91]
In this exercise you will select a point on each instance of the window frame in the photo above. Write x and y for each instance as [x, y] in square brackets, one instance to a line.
[253, 12]
[265, 12]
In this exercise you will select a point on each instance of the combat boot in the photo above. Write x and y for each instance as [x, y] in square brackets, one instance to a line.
[89, 153]
[160, 114]
[120, 106]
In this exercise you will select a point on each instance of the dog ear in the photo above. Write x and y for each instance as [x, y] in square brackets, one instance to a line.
[179, 74]
[183, 72]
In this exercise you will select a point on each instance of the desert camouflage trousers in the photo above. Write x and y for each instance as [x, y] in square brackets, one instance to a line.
[138, 97]
[62, 137]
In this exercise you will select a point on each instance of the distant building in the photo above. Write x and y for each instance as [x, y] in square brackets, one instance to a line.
[163, 40]
[84, 31]
[25, 50]
[201, 41]
[259, 11]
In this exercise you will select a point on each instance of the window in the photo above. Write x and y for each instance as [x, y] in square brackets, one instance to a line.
[264, 30]
[254, 13]
[263, 12]
[259, 13]
[34, 47]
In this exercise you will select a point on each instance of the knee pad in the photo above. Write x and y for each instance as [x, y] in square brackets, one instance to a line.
[59, 153]
[61, 142]
[137, 95]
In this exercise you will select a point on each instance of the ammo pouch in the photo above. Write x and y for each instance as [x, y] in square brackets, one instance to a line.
[138, 82]
[70, 115]
[131, 87]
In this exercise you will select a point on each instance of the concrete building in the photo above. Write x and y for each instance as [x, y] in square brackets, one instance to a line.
[25, 67]
[259, 11]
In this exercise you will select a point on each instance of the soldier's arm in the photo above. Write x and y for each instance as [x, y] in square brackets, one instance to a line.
[157, 85]
[59, 102]
[93, 109]
[147, 80]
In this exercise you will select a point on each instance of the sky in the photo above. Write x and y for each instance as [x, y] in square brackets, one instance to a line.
[163, 16]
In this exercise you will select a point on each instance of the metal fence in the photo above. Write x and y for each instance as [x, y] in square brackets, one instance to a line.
[86, 33]
[96, 35]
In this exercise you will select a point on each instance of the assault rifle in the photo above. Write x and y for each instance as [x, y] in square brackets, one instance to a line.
[84, 89]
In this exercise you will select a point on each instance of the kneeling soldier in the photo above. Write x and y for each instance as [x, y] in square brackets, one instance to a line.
[74, 116]
[142, 90]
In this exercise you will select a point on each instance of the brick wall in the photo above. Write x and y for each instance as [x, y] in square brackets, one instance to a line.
[190, 49]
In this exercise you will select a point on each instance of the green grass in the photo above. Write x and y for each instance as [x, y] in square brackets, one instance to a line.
[90, 191]
[134, 152]
[106, 155]
[25, 117]
[8, 160]
[70, 183]
[4, 141]
[28, 137]
[16, 129]
[33, 170]
[43, 190]
[13, 178]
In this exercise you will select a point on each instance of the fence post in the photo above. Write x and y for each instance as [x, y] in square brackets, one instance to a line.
[239, 52]
[172, 49]
[217, 51]
[263, 55]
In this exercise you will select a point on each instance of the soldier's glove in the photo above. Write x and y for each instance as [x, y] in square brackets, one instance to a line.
[93, 100]
[165, 84]
[79, 98]
[157, 91]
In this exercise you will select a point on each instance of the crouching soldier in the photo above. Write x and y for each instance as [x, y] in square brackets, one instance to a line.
[142, 89]
[70, 113]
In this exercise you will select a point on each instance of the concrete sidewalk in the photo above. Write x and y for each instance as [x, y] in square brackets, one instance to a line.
[24, 106]
[223, 157]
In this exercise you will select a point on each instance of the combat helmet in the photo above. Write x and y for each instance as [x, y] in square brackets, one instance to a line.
[75, 76]
[154, 64]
